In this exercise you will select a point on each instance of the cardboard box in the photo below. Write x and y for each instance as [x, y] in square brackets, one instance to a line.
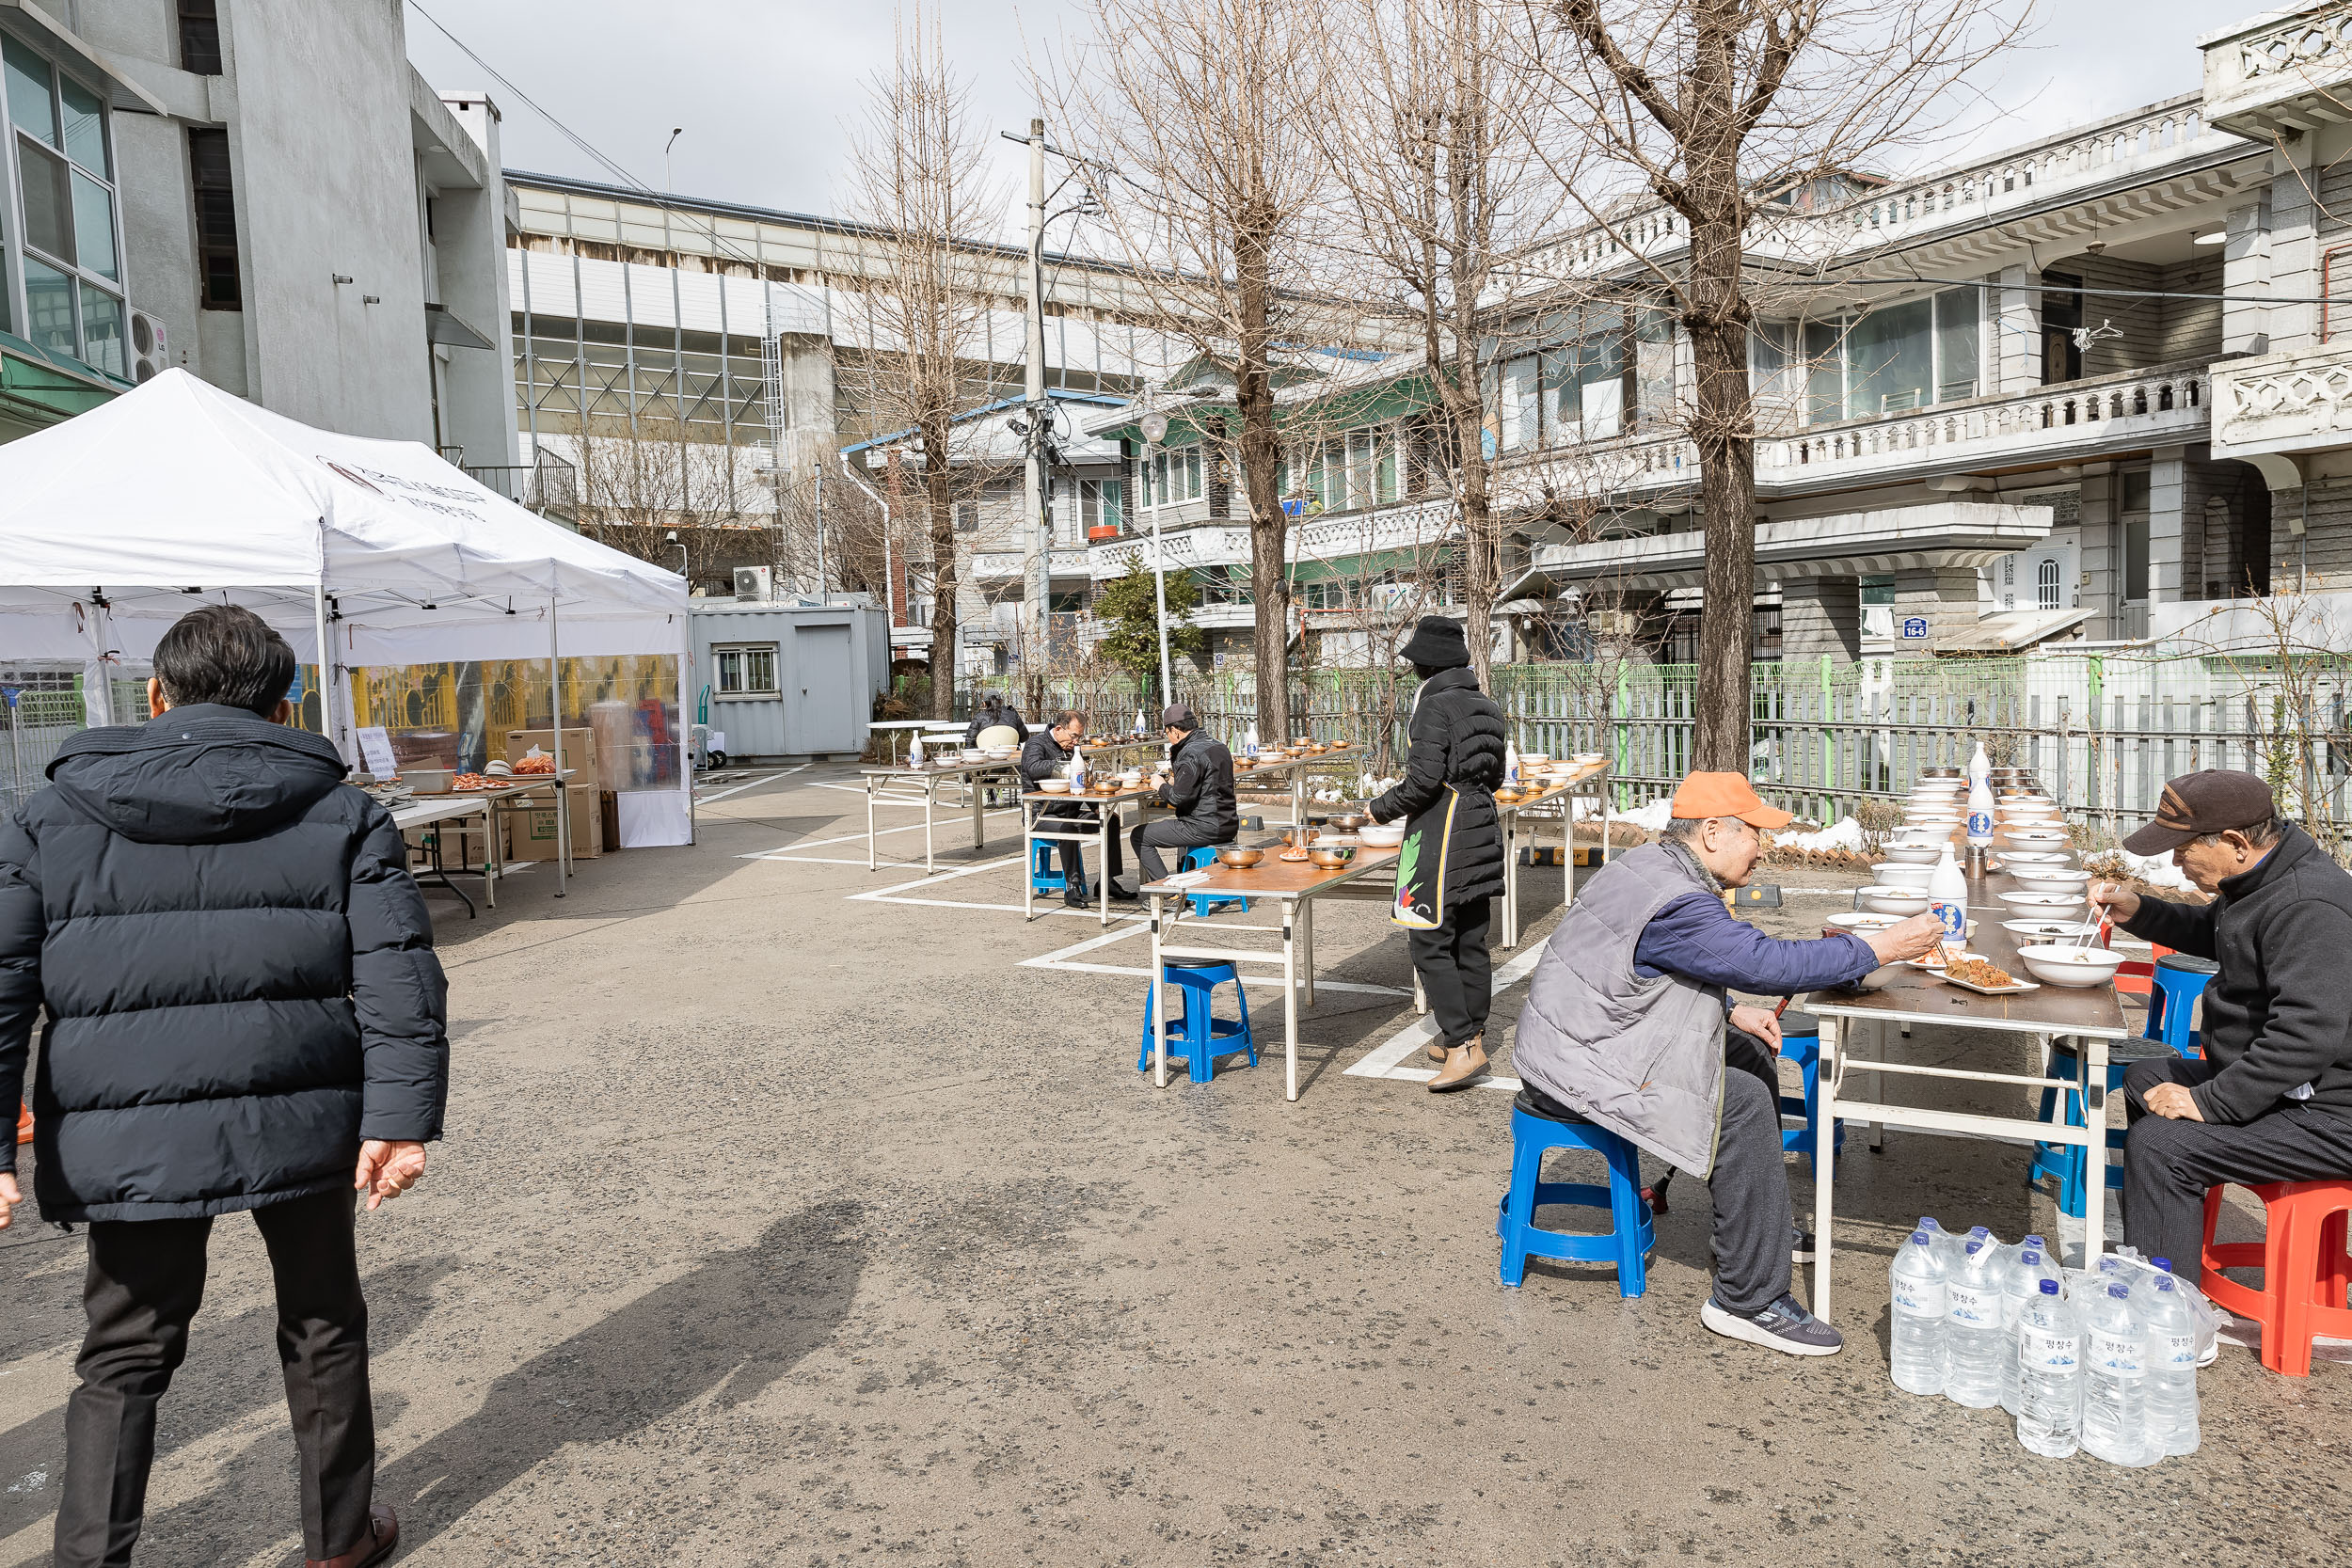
[580, 751]
[530, 832]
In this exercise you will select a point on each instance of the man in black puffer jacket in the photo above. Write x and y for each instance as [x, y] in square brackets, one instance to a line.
[1199, 791]
[1445, 896]
[244, 1013]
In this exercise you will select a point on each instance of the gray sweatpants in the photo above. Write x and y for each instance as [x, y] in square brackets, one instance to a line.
[1750, 1183]
[2168, 1164]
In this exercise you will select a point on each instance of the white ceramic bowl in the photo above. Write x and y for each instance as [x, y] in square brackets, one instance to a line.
[2043, 905]
[975, 754]
[1914, 852]
[2010, 858]
[2042, 930]
[1054, 786]
[1903, 874]
[2078, 967]
[1535, 758]
[2048, 879]
[1856, 919]
[1381, 835]
[2037, 838]
[1903, 901]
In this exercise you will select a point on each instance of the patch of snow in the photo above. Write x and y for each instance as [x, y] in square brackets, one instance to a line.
[1650, 818]
[1845, 833]
[2156, 871]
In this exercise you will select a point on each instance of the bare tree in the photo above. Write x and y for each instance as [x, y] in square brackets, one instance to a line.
[1433, 155]
[1721, 109]
[918, 176]
[643, 481]
[1194, 119]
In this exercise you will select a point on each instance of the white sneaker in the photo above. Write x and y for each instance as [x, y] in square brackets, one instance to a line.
[1785, 1326]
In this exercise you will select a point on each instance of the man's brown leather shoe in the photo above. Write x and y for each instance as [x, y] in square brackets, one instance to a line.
[383, 1535]
[1437, 1049]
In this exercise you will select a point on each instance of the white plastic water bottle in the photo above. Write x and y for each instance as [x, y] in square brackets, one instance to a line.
[915, 753]
[1946, 1247]
[1972, 1328]
[2049, 1354]
[1947, 897]
[1980, 809]
[1916, 1302]
[1980, 765]
[1510, 762]
[2115, 1380]
[2021, 1282]
[1250, 738]
[2171, 1365]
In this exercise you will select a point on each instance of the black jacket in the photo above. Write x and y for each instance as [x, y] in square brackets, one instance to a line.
[1200, 787]
[985, 719]
[1457, 739]
[2280, 1013]
[237, 967]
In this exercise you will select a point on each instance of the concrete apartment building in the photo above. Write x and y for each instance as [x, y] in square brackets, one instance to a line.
[2081, 389]
[265, 193]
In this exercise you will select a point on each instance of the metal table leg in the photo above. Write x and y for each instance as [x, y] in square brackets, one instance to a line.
[1510, 877]
[494, 864]
[870, 784]
[1159, 1002]
[1107, 832]
[1290, 995]
[980, 796]
[1307, 948]
[1028, 861]
[1830, 1067]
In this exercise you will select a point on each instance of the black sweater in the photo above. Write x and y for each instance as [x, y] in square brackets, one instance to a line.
[2278, 1015]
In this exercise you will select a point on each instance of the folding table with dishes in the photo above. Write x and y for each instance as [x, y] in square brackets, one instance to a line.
[1109, 793]
[1291, 764]
[2025, 920]
[1293, 886]
[1548, 789]
[912, 785]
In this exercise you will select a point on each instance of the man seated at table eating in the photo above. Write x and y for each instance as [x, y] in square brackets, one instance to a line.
[994, 713]
[1199, 791]
[1629, 1025]
[2271, 1101]
[1047, 757]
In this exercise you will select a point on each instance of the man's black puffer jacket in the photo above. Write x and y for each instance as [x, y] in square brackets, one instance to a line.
[1457, 739]
[237, 967]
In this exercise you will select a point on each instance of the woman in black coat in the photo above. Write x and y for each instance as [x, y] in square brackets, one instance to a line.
[1451, 865]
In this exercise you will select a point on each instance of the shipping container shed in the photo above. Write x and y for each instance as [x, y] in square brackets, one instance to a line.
[785, 680]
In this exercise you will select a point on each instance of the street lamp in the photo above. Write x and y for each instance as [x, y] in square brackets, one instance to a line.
[669, 180]
[1156, 431]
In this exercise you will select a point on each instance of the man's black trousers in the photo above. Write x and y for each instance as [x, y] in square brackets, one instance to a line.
[1074, 819]
[145, 1282]
[2168, 1165]
[1750, 1182]
[1150, 838]
[1456, 970]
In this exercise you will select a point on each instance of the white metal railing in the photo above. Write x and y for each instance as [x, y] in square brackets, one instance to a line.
[2061, 415]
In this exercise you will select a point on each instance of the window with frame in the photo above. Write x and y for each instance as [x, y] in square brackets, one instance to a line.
[219, 284]
[2046, 585]
[57, 135]
[746, 670]
[199, 36]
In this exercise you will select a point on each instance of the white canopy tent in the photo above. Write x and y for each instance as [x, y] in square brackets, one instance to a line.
[116, 523]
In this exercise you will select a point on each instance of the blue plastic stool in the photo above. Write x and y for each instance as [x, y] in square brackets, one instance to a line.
[1195, 859]
[2178, 982]
[1205, 1036]
[1801, 1043]
[1626, 1243]
[1042, 877]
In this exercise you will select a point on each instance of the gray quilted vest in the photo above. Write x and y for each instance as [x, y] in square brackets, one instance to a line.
[1643, 1058]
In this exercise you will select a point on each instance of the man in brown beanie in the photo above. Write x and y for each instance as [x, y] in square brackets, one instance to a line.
[2271, 1099]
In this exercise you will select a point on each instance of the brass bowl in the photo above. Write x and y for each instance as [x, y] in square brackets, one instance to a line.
[1348, 822]
[1298, 837]
[1330, 857]
[1240, 859]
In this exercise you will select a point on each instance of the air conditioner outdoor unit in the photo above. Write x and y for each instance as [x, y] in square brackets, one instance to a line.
[151, 348]
[1613, 623]
[755, 584]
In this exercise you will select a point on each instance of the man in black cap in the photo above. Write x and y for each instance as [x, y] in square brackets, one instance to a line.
[2271, 1099]
[1199, 791]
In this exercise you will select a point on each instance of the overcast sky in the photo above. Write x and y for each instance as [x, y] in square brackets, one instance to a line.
[765, 90]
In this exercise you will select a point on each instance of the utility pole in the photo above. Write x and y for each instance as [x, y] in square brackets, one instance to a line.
[1035, 491]
[1154, 432]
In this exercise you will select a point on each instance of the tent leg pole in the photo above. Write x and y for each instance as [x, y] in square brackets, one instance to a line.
[555, 727]
[685, 731]
[326, 663]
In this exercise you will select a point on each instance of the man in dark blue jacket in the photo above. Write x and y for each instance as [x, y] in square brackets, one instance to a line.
[244, 1012]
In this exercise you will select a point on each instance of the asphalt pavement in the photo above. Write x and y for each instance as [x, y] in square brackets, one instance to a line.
[793, 1213]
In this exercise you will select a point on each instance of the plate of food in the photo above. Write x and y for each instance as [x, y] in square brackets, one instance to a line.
[1985, 977]
[1860, 920]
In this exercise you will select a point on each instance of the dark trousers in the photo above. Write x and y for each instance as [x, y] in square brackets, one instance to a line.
[1750, 1182]
[1456, 970]
[145, 1282]
[1150, 838]
[2168, 1165]
[1074, 852]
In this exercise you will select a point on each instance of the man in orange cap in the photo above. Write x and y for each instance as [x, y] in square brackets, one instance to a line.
[1628, 1025]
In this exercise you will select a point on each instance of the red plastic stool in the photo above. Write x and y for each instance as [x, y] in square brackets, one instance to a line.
[2305, 1269]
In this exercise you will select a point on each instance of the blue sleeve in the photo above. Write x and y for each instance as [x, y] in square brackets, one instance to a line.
[1698, 938]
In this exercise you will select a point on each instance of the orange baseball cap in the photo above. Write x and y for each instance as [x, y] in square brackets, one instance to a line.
[1727, 795]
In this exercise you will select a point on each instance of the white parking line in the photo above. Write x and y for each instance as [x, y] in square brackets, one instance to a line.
[848, 838]
[755, 783]
[1387, 1060]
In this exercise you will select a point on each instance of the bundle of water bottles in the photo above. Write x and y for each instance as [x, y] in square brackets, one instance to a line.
[2103, 1359]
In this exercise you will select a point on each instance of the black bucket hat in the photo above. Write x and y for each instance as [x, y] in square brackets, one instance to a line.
[1437, 644]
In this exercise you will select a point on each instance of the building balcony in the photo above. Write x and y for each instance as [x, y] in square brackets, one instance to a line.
[2280, 404]
[1955, 534]
[1013, 566]
[1332, 536]
[2273, 74]
[2162, 406]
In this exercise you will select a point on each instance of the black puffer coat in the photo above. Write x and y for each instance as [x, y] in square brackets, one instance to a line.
[1457, 739]
[237, 967]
